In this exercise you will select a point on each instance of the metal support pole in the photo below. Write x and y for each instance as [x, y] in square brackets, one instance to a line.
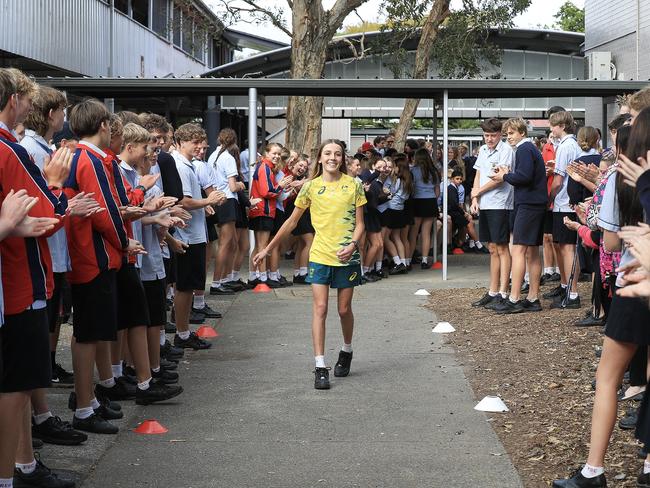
[252, 148]
[263, 121]
[111, 49]
[433, 156]
[445, 179]
[604, 129]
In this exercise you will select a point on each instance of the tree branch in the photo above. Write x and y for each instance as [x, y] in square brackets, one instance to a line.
[340, 10]
[274, 17]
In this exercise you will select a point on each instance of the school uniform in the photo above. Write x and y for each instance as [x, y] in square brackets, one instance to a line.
[496, 204]
[304, 222]
[454, 208]
[530, 197]
[578, 192]
[548, 154]
[26, 275]
[205, 174]
[424, 195]
[567, 152]
[375, 197]
[224, 167]
[264, 186]
[395, 215]
[190, 270]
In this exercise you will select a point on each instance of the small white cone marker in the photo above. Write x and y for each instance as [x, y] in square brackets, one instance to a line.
[443, 328]
[422, 292]
[491, 404]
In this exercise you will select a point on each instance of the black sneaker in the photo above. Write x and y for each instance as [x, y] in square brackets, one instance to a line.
[498, 300]
[561, 302]
[532, 306]
[555, 292]
[107, 413]
[37, 443]
[525, 287]
[196, 318]
[192, 342]
[221, 290]
[157, 392]
[171, 353]
[273, 284]
[579, 481]
[42, 477]
[300, 280]
[56, 431]
[167, 365]
[322, 378]
[398, 270]
[170, 328]
[121, 391]
[208, 311]
[555, 277]
[94, 424]
[284, 282]
[370, 278]
[546, 277]
[426, 265]
[643, 480]
[165, 377]
[484, 300]
[342, 367]
[60, 376]
[72, 402]
[253, 283]
[629, 420]
[590, 321]
[234, 286]
[508, 307]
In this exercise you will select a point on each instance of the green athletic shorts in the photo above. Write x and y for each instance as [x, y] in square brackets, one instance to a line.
[334, 276]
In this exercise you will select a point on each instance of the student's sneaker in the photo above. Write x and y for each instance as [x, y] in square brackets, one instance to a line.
[121, 391]
[273, 283]
[107, 413]
[532, 306]
[322, 378]
[508, 307]
[643, 480]
[484, 300]
[579, 481]
[342, 367]
[555, 277]
[208, 311]
[300, 280]
[398, 270]
[168, 365]
[72, 402]
[555, 292]
[192, 342]
[482, 250]
[170, 328]
[234, 286]
[157, 392]
[196, 318]
[590, 321]
[94, 424]
[546, 277]
[60, 376]
[370, 278]
[570, 303]
[284, 282]
[289, 255]
[171, 353]
[253, 283]
[498, 300]
[165, 377]
[42, 477]
[56, 431]
[426, 265]
[525, 287]
[37, 443]
[629, 420]
[221, 290]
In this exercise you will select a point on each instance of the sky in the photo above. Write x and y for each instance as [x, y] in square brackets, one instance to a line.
[539, 13]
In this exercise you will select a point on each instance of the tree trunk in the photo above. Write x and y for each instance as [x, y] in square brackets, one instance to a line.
[313, 29]
[439, 12]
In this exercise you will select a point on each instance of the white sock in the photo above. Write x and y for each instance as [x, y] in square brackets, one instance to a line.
[296, 272]
[252, 275]
[320, 361]
[471, 243]
[526, 278]
[563, 285]
[263, 276]
[236, 275]
[185, 335]
[503, 294]
[397, 260]
[170, 293]
[163, 337]
[408, 261]
[573, 295]
[425, 259]
[346, 347]
[6, 483]
[27, 468]
[365, 269]
[94, 404]
[199, 301]
[229, 278]
[117, 371]
[549, 271]
[493, 293]
[156, 370]
[479, 244]
[646, 467]
[83, 413]
[42, 417]
[274, 275]
[378, 265]
[512, 300]
[557, 269]
[303, 270]
[109, 383]
[592, 471]
[144, 385]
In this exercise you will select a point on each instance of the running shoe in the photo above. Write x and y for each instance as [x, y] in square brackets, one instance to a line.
[192, 342]
[42, 477]
[94, 424]
[570, 303]
[322, 378]
[56, 431]
[157, 392]
[484, 300]
[60, 376]
[555, 292]
[342, 367]
[300, 280]
[208, 311]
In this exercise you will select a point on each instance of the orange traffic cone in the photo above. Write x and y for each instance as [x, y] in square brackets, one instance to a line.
[457, 251]
[150, 426]
[262, 288]
[206, 332]
[437, 265]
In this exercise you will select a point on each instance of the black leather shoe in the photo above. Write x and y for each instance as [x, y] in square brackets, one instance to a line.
[221, 291]
[196, 318]
[121, 391]
[165, 377]
[37, 443]
[342, 367]
[628, 422]
[234, 286]
[484, 300]
[300, 280]
[42, 477]
[555, 292]
[525, 287]
[532, 306]
[94, 424]
[399, 269]
[579, 481]
[192, 342]
[170, 352]
[560, 302]
[72, 402]
[643, 480]
[555, 277]
[157, 392]
[208, 311]
[322, 378]
[107, 413]
[544, 278]
[168, 365]
[498, 300]
[56, 431]
[590, 321]
[508, 307]
[273, 283]
[170, 328]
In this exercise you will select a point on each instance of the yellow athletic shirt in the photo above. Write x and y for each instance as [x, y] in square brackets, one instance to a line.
[333, 215]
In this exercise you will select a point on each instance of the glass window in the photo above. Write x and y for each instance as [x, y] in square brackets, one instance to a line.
[140, 11]
[176, 26]
[122, 6]
[187, 27]
[160, 18]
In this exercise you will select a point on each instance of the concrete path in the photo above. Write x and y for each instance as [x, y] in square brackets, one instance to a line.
[250, 417]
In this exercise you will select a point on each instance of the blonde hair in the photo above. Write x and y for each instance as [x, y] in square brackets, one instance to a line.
[588, 138]
[516, 123]
[25, 85]
[640, 100]
[563, 118]
[47, 99]
[135, 134]
[190, 132]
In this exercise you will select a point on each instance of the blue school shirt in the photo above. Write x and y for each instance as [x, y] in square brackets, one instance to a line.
[153, 267]
[420, 188]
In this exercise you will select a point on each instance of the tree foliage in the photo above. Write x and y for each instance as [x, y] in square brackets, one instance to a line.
[570, 18]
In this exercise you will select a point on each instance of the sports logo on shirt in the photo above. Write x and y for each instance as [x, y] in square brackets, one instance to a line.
[353, 277]
[322, 190]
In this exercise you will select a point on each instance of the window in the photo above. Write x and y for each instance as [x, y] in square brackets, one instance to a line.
[140, 11]
[176, 26]
[160, 17]
[122, 6]
[199, 46]
[187, 27]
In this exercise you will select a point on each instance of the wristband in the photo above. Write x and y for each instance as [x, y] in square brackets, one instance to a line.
[140, 187]
[356, 244]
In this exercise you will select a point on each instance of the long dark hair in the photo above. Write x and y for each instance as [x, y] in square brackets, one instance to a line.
[423, 160]
[403, 172]
[630, 209]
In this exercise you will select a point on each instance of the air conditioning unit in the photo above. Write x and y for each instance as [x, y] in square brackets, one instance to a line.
[598, 65]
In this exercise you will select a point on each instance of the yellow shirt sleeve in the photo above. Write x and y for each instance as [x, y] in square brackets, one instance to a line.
[303, 200]
[359, 195]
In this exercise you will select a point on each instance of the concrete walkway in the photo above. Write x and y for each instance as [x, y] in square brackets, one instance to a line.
[250, 417]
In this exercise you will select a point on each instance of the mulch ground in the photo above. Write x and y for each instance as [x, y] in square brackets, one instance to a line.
[542, 367]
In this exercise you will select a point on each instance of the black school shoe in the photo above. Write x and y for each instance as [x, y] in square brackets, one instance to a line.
[56, 431]
[497, 301]
[157, 392]
[171, 353]
[60, 376]
[208, 311]
[123, 390]
[546, 277]
[555, 292]
[196, 317]
[579, 481]
[72, 402]
[221, 290]
[570, 303]
[168, 365]
[484, 300]
[300, 280]
[42, 477]
[274, 284]
[643, 480]
[253, 283]
[192, 342]
[94, 424]
[170, 328]
[426, 265]
[284, 282]
[322, 378]
[629, 420]
[532, 305]
[398, 270]
[342, 367]
[507, 307]
[164, 377]
[590, 321]
[555, 277]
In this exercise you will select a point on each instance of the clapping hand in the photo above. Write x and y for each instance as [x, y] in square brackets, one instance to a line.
[84, 205]
[632, 171]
